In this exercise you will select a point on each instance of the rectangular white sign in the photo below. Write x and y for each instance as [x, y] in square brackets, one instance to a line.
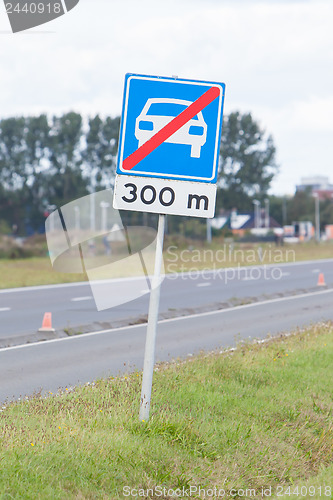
[164, 196]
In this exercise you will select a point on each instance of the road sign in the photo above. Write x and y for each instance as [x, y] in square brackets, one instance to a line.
[171, 128]
[165, 196]
[170, 131]
[167, 163]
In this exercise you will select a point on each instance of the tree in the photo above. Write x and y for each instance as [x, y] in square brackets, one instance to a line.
[35, 191]
[100, 152]
[12, 153]
[12, 169]
[65, 175]
[301, 207]
[247, 161]
[278, 209]
[326, 213]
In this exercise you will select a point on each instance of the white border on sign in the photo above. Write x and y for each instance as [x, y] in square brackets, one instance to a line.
[158, 174]
[191, 199]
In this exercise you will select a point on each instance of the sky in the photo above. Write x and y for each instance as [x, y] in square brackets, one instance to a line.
[275, 57]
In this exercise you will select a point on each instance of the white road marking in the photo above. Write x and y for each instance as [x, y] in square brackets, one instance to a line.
[79, 299]
[203, 284]
[315, 271]
[255, 278]
[3, 309]
[170, 320]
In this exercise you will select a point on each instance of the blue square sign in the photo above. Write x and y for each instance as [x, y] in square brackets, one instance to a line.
[171, 128]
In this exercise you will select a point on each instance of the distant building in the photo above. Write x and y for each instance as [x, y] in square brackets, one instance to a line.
[239, 224]
[324, 194]
[318, 184]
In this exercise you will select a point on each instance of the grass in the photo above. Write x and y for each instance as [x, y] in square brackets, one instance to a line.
[38, 270]
[257, 417]
[218, 256]
[31, 272]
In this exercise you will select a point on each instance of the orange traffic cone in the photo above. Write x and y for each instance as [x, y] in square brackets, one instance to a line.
[47, 323]
[321, 280]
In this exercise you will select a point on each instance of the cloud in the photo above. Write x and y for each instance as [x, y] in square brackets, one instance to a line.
[314, 114]
[274, 56]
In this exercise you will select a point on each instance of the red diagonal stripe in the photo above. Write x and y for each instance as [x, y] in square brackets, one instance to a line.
[172, 127]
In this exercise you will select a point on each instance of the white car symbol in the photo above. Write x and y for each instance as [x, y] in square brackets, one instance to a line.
[158, 112]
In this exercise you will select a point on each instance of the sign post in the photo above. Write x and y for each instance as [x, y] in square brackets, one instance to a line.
[168, 155]
[149, 359]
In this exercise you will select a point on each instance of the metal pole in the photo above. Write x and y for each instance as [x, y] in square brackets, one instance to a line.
[317, 219]
[77, 217]
[267, 213]
[256, 213]
[209, 231]
[92, 212]
[104, 206]
[149, 360]
[284, 211]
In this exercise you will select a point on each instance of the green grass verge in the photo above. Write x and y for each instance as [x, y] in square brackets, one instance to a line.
[257, 417]
[38, 270]
[35, 271]
[216, 256]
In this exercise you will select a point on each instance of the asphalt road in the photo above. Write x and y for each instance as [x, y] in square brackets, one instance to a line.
[46, 366]
[286, 297]
[73, 307]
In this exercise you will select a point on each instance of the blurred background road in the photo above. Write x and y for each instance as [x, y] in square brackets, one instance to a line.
[73, 307]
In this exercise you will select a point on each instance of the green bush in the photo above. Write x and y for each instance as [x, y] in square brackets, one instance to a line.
[4, 227]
